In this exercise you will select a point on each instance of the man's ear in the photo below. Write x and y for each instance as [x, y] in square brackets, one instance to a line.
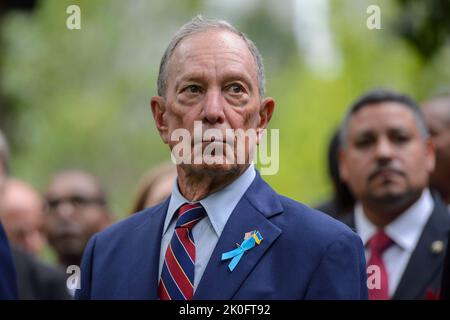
[265, 114]
[430, 154]
[158, 106]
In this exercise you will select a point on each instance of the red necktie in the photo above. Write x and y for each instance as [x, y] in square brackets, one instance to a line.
[177, 277]
[378, 244]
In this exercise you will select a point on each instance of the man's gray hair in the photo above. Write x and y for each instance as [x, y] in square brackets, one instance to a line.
[200, 24]
[4, 151]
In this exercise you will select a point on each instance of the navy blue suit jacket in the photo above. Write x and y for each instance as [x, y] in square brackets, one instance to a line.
[8, 286]
[304, 255]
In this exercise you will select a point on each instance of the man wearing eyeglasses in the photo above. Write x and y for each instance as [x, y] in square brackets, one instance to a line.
[76, 209]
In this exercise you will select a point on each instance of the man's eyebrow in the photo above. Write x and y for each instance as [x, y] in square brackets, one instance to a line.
[391, 130]
[233, 76]
[199, 78]
[191, 77]
[402, 130]
[364, 132]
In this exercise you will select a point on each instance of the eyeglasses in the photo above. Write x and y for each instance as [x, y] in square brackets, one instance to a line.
[76, 201]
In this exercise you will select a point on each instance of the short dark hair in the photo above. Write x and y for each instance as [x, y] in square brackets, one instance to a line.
[379, 96]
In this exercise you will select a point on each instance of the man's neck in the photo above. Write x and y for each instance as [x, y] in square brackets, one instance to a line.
[383, 213]
[195, 185]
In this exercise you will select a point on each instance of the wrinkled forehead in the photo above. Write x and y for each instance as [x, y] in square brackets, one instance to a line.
[383, 117]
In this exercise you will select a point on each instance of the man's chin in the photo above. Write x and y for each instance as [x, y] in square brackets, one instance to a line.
[393, 198]
[389, 197]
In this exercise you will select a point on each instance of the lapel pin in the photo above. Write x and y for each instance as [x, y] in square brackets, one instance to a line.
[250, 240]
[437, 247]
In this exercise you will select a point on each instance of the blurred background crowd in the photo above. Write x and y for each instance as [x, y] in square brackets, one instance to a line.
[78, 148]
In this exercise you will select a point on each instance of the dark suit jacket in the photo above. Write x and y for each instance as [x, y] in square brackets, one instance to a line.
[422, 276]
[8, 288]
[38, 281]
[305, 254]
[445, 291]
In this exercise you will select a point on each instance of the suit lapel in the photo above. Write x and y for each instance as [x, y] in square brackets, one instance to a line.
[258, 204]
[145, 247]
[424, 264]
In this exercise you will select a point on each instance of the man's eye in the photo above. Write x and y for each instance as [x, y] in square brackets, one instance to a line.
[363, 143]
[400, 139]
[235, 88]
[193, 89]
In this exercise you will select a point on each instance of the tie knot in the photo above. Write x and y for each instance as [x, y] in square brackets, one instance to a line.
[189, 214]
[379, 242]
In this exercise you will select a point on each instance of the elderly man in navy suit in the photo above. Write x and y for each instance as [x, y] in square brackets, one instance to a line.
[8, 286]
[223, 233]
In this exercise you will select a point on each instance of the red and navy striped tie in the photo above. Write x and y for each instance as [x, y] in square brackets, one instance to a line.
[177, 277]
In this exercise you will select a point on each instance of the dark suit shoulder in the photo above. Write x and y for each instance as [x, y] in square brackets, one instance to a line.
[129, 224]
[37, 280]
[300, 220]
[308, 216]
[8, 287]
[107, 241]
[299, 223]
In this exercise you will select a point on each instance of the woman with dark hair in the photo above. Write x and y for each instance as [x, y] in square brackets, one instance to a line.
[342, 201]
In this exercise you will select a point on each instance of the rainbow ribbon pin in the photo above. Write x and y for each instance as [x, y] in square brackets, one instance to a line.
[251, 238]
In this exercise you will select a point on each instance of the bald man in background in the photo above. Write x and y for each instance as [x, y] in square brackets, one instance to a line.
[22, 216]
[20, 209]
[437, 115]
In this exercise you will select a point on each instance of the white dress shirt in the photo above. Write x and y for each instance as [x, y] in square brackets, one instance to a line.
[404, 231]
[206, 232]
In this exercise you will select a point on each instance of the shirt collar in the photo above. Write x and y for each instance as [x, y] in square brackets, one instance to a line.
[218, 205]
[406, 229]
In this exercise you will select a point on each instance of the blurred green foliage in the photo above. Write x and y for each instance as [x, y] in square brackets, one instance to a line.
[81, 97]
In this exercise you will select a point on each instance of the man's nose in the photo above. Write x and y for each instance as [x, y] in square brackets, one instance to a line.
[66, 210]
[213, 108]
[384, 149]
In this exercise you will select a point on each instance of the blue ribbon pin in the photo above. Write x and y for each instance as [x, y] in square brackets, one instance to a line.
[247, 244]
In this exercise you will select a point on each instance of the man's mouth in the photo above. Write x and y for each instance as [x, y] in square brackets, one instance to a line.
[386, 173]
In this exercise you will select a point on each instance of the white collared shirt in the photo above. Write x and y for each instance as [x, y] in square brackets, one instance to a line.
[206, 232]
[405, 232]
